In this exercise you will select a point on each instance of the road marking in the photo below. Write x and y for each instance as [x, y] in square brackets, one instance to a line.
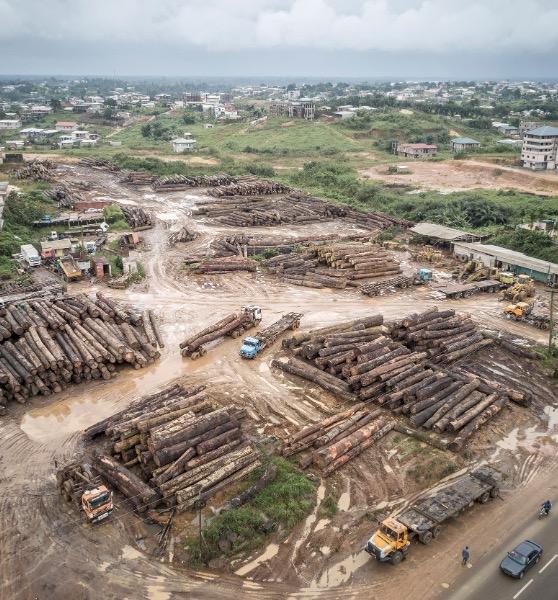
[523, 588]
[552, 559]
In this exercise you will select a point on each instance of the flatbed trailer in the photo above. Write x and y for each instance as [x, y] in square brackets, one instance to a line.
[464, 290]
[423, 518]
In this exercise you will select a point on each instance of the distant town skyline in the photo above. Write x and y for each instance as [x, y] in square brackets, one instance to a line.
[405, 39]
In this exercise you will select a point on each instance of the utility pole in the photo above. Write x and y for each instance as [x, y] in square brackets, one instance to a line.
[551, 322]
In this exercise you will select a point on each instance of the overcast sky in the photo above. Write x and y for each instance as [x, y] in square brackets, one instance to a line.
[335, 38]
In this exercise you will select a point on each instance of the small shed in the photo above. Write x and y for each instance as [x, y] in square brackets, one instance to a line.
[181, 145]
[101, 267]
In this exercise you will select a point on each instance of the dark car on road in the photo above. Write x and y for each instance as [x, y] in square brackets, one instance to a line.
[521, 558]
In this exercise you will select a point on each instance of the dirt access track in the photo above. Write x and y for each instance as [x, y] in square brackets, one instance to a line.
[48, 553]
[462, 175]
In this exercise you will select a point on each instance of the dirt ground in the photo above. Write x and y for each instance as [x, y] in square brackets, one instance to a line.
[41, 537]
[461, 175]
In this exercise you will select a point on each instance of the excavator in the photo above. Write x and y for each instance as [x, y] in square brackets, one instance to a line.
[78, 484]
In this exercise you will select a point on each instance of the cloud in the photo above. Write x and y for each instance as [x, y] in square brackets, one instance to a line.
[432, 26]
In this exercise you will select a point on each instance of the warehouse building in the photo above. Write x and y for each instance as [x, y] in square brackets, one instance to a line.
[508, 260]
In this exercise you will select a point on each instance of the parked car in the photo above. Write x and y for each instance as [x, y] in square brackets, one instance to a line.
[521, 559]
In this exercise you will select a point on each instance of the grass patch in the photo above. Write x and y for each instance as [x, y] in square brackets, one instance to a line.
[286, 501]
[328, 507]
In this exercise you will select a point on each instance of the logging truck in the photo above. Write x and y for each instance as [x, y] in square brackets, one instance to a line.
[252, 345]
[79, 485]
[423, 519]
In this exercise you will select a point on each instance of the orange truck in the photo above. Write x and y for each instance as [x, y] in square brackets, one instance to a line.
[78, 484]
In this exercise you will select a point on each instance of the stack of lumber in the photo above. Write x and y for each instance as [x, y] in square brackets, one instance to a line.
[99, 163]
[47, 344]
[232, 325]
[136, 217]
[336, 440]
[37, 170]
[138, 178]
[185, 234]
[249, 186]
[186, 448]
[445, 336]
[224, 265]
[377, 288]
[334, 265]
[175, 183]
[63, 195]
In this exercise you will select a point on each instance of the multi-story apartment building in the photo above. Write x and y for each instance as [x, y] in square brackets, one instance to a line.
[540, 148]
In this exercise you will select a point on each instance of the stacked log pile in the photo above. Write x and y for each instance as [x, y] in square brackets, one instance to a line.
[249, 186]
[138, 178]
[174, 183]
[37, 170]
[49, 343]
[63, 195]
[443, 335]
[445, 401]
[224, 265]
[232, 325]
[136, 217]
[335, 441]
[249, 209]
[185, 234]
[99, 163]
[378, 288]
[334, 265]
[186, 448]
[255, 211]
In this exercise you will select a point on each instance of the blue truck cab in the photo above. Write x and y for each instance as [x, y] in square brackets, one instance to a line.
[250, 347]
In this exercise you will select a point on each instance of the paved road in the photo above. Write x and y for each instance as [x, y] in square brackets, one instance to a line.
[484, 581]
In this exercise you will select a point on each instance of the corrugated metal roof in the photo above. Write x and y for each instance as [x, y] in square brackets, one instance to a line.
[442, 232]
[56, 244]
[545, 130]
[512, 257]
[464, 140]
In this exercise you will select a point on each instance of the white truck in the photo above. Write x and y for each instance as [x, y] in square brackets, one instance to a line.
[30, 255]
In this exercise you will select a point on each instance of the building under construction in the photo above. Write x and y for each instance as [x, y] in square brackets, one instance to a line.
[305, 108]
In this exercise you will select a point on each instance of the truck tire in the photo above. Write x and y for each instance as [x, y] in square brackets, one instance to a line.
[494, 492]
[484, 498]
[425, 537]
[436, 531]
[396, 558]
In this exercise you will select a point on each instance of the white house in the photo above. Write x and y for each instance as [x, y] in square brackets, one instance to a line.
[184, 144]
[10, 124]
[462, 144]
[40, 111]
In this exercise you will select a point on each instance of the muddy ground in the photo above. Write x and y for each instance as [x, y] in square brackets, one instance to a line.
[462, 175]
[47, 552]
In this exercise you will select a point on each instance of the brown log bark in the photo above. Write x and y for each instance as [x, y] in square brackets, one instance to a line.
[459, 442]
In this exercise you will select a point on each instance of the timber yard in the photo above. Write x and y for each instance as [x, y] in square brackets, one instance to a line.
[373, 375]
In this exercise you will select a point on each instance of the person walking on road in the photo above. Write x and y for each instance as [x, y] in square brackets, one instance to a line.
[465, 554]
